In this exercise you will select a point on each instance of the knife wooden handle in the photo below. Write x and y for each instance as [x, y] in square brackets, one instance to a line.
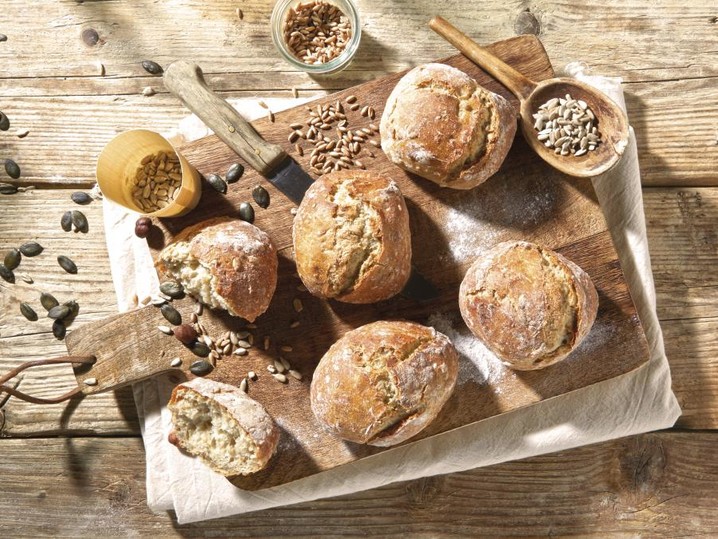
[184, 79]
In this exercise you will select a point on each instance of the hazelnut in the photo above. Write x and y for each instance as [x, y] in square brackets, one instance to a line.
[172, 438]
[186, 334]
[142, 227]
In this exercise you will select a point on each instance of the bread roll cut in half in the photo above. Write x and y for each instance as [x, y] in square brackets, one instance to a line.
[351, 237]
[228, 431]
[529, 305]
[225, 264]
[440, 124]
[382, 383]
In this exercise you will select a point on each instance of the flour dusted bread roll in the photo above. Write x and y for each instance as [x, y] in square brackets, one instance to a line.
[529, 305]
[440, 124]
[227, 430]
[351, 237]
[224, 263]
[382, 383]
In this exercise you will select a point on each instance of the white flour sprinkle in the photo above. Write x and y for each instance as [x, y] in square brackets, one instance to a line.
[476, 362]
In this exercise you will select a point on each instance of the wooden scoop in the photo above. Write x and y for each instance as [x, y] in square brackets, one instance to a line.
[612, 121]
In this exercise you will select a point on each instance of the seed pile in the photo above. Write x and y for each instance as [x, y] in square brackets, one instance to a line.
[62, 314]
[567, 125]
[335, 144]
[157, 181]
[316, 32]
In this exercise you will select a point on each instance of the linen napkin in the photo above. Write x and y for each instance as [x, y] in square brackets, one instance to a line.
[637, 402]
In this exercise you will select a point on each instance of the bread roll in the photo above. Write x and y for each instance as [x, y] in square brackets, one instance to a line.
[224, 263]
[382, 383]
[529, 305]
[440, 124]
[351, 237]
[230, 432]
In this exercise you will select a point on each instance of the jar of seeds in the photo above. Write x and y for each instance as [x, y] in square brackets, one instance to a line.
[141, 170]
[316, 36]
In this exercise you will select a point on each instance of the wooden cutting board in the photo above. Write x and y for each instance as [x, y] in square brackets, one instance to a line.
[525, 200]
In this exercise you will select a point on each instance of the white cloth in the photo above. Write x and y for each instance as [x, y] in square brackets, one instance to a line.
[636, 402]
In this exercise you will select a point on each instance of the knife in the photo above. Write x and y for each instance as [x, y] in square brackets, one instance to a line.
[185, 80]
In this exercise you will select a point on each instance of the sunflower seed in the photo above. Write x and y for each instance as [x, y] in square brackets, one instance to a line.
[12, 169]
[165, 329]
[272, 369]
[243, 385]
[173, 289]
[200, 367]
[171, 314]
[280, 377]
[176, 362]
[213, 356]
[246, 212]
[252, 375]
[261, 196]
[28, 312]
[12, 259]
[278, 366]
[31, 248]
[66, 221]
[295, 374]
[48, 301]
[90, 381]
[295, 324]
[80, 197]
[4, 120]
[218, 183]
[58, 329]
[286, 349]
[79, 221]
[153, 68]
[67, 264]
[297, 304]
[234, 173]
[240, 352]
[198, 309]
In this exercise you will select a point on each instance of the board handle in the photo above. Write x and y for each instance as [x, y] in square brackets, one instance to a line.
[185, 80]
[518, 84]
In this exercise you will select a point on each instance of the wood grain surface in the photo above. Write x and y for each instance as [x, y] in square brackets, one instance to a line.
[90, 480]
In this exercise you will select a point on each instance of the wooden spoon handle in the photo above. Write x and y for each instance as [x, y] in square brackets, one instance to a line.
[519, 85]
[184, 79]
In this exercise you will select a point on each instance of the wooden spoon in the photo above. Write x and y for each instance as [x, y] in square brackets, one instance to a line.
[612, 122]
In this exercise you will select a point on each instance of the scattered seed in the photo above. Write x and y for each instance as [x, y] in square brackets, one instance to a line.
[3, 37]
[165, 329]
[278, 366]
[200, 367]
[4, 121]
[246, 212]
[31, 248]
[173, 289]
[90, 37]
[261, 196]
[199, 309]
[200, 349]
[26, 278]
[295, 374]
[252, 326]
[272, 369]
[79, 221]
[171, 314]
[297, 304]
[157, 301]
[74, 309]
[252, 375]
[66, 221]
[67, 264]
[153, 68]
[234, 172]
[295, 93]
[286, 349]
[295, 324]
[28, 312]
[90, 381]
[217, 182]
[22, 133]
[100, 68]
[12, 169]
[58, 329]
[233, 338]
[12, 259]
[7, 274]
[213, 356]
[285, 363]
[266, 342]
[240, 352]
[206, 339]
[148, 91]
[8, 189]
[80, 197]
[176, 362]
[351, 99]
[244, 344]
[280, 377]
[48, 301]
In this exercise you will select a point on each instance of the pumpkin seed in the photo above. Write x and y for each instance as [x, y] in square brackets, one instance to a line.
[80, 197]
[67, 264]
[171, 314]
[4, 121]
[12, 259]
[8, 189]
[74, 308]
[48, 301]
[58, 312]
[66, 221]
[261, 196]
[28, 312]
[200, 349]
[7, 274]
[31, 248]
[234, 173]
[59, 329]
[3, 37]
[12, 169]
[201, 367]
[218, 183]
[246, 212]
[79, 221]
[173, 289]
[153, 68]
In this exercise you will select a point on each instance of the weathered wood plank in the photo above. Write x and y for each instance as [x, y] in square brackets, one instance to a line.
[657, 485]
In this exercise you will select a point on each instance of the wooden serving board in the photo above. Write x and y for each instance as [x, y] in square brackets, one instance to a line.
[525, 200]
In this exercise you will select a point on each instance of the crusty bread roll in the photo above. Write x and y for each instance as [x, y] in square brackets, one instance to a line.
[440, 124]
[529, 305]
[230, 432]
[351, 237]
[382, 383]
[224, 263]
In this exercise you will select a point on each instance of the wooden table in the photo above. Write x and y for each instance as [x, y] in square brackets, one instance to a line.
[71, 75]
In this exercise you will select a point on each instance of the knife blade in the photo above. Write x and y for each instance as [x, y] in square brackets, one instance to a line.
[185, 80]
